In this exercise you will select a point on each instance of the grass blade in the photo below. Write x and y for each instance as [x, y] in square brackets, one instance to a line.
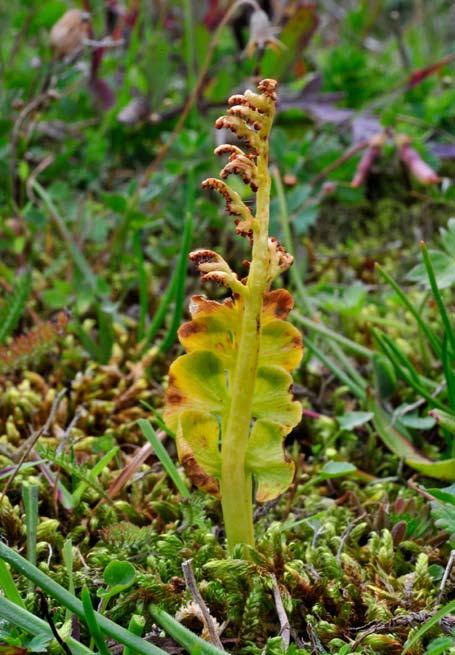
[30, 498]
[182, 635]
[326, 332]
[162, 454]
[22, 618]
[437, 296]
[92, 623]
[9, 586]
[142, 281]
[59, 593]
[432, 338]
[181, 266]
[336, 370]
[440, 614]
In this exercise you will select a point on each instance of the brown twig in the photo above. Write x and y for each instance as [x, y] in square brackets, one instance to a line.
[196, 594]
[285, 631]
[401, 622]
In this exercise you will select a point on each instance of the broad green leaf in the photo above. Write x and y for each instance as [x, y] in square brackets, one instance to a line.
[265, 459]
[198, 437]
[352, 420]
[272, 399]
[336, 470]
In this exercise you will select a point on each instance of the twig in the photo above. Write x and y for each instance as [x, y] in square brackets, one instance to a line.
[44, 607]
[285, 631]
[44, 429]
[401, 622]
[194, 591]
[446, 575]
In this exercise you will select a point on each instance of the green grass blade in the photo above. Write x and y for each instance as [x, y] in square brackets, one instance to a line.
[182, 635]
[169, 339]
[331, 335]
[440, 614]
[162, 454]
[74, 252]
[22, 618]
[67, 553]
[30, 498]
[72, 603]
[448, 374]
[432, 338]
[142, 282]
[92, 623]
[9, 586]
[160, 313]
[97, 469]
[336, 370]
[438, 298]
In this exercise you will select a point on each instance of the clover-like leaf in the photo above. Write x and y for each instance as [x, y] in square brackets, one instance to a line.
[118, 576]
[265, 459]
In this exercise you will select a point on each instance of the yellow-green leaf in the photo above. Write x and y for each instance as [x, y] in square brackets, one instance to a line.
[198, 436]
[196, 381]
[281, 345]
[265, 459]
[272, 399]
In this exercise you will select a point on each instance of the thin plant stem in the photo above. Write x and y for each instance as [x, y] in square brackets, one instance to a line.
[336, 370]
[30, 498]
[169, 339]
[288, 241]
[162, 454]
[325, 331]
[76, 255]
[59, 593]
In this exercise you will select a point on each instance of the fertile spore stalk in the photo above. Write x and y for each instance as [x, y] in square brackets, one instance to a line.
[229, 398]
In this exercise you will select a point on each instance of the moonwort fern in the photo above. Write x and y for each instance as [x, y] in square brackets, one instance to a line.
[229, 400]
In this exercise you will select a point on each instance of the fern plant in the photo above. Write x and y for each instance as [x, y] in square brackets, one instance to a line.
[229, 400]
[12, 307]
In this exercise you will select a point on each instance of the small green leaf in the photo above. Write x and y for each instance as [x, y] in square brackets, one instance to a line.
[352, 420]
[119, 574]
[336, 470]
[446, 495]
[416, 422]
